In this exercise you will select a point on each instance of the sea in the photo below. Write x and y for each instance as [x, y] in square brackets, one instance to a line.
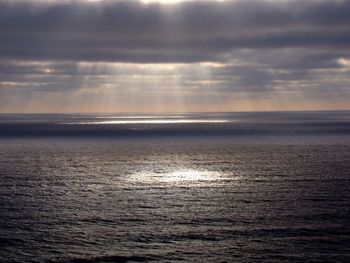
[194, 187]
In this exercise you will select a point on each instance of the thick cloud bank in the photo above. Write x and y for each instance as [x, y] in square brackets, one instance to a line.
[195, 31]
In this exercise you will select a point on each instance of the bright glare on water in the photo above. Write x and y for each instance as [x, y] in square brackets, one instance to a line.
[155, 121]
[181, 176]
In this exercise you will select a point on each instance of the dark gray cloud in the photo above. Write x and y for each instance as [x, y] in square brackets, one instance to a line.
[130, 31]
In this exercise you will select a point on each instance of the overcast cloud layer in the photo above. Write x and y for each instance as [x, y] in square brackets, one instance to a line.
[200, 55]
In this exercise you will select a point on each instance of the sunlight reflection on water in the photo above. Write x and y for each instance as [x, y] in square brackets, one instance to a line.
[152, 121]
[186, 176]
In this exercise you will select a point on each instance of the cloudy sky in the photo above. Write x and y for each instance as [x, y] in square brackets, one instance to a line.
[174, 56]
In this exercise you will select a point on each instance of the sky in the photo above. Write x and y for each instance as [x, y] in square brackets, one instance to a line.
[61, 56]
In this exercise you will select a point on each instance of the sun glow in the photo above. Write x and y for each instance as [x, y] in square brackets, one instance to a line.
[172, 1]
[157, 1]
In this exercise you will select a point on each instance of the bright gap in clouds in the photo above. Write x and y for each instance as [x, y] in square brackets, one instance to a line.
[173, 1]
[162, 1]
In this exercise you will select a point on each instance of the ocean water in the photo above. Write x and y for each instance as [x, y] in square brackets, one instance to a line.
[230, 187]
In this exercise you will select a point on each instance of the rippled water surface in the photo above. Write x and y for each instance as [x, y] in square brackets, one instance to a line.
[236, 190]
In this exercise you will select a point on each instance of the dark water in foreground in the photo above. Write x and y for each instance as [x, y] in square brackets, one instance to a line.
[252, 187]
